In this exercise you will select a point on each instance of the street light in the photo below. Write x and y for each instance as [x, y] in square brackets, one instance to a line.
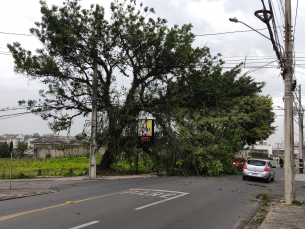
[235, 20]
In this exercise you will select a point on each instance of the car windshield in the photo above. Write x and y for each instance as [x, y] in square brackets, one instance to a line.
[256, 162]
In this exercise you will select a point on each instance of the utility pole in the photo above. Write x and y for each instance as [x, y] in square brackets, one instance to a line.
[93, 145]
[289, 132]
[11, 150]
[300, 134]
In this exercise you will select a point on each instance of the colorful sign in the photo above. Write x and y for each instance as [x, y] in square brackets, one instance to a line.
[146, 130]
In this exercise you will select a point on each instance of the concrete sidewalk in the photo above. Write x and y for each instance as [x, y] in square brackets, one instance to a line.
[286, 217]
[43, 185]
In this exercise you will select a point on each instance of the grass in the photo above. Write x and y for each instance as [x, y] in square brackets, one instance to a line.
[61, 166]
[259, 220]
[30, 168]
[264, 197]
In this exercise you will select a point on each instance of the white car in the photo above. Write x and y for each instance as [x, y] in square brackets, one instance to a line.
[258, 168]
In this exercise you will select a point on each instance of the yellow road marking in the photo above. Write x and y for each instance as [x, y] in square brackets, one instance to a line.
[55, 206]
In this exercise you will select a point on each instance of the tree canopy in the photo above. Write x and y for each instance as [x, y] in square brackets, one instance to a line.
[4, 150]
[167, 78]
[22, 146]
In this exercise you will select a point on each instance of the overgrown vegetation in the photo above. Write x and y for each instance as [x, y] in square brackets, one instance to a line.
[61, 166]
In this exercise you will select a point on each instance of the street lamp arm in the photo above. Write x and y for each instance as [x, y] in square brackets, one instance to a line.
[236, 21]
[254, 30]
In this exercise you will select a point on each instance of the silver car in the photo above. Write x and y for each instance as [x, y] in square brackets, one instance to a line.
[258, 168]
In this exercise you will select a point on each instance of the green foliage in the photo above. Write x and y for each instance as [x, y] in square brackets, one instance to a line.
[22, 146]
[259, 155]
[48, 156]
[297, 202]
[4, 150]
[264, 197]
[39, 172]
[214, 113]
[60, 166]
[70, 173]
[259, 220]
[64, 166]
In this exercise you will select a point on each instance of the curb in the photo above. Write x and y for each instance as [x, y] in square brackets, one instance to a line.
[264, 224]
[27, 195]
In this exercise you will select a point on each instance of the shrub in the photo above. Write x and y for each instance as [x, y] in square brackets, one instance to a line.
[263, 196]
[296, 202]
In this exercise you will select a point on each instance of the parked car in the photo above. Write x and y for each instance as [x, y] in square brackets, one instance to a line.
[239, 162]
[258, 168]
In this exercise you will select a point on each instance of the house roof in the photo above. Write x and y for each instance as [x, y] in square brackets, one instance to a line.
[28, 151]
[44, 140]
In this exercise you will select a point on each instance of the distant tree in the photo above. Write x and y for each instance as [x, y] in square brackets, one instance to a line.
[21, 148]
[4, 150]
[72, 141]
[36, 135]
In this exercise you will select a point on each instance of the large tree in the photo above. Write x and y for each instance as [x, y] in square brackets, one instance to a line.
[166, 76]
[145, 51]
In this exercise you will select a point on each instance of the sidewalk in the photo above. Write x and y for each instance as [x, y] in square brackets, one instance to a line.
[43, 185]
[286, 217]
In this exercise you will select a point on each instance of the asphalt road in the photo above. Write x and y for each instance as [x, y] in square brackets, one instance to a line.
[164, 202]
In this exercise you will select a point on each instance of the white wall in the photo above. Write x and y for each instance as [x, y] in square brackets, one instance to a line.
[265, 147]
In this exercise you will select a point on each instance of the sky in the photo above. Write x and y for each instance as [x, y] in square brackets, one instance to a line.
[207, 17]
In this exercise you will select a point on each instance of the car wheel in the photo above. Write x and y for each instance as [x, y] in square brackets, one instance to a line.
[244, 177]
[268, 180]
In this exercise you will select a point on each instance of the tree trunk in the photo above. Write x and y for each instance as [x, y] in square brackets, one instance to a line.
[105, 162]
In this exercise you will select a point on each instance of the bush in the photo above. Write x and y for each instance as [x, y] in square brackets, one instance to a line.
[39, 172]
[296, 202]
[70, 173]
[263, 196]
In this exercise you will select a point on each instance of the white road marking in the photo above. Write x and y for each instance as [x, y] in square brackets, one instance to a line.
[85, 225]
[168, 195]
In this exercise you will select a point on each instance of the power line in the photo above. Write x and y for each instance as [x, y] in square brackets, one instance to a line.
[197, 35]
[15, 91]
[18, 34]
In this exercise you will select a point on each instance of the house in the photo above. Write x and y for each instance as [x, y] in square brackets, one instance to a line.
[259, 147]
[15, 138]
[47, 141]
[43, 146]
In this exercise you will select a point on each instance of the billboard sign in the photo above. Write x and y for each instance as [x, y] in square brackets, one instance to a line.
[146, 130]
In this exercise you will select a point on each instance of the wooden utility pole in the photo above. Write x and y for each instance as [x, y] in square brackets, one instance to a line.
[289, 132]
[300, 134]
[93, 145]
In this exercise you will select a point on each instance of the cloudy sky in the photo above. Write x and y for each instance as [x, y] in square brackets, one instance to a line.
[207, 17]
